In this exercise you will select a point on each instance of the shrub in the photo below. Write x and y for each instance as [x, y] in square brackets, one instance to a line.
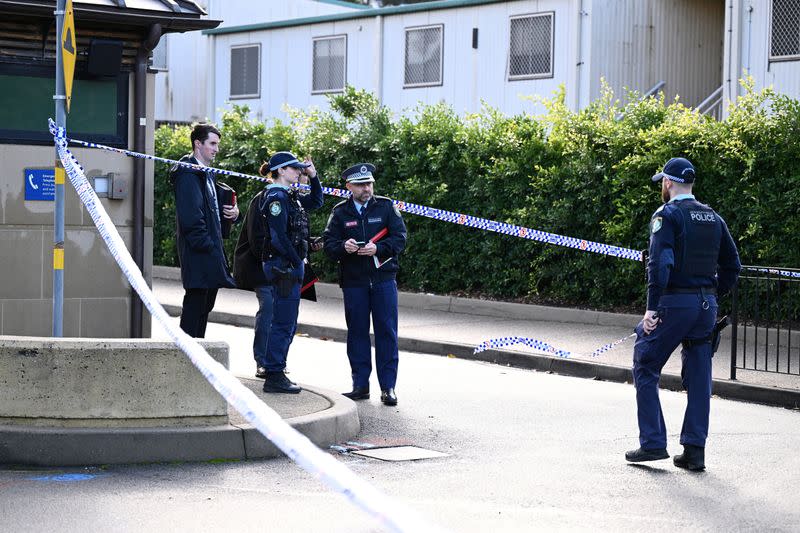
[581, 174]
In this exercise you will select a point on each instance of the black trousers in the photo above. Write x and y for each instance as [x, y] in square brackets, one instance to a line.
[197, 304]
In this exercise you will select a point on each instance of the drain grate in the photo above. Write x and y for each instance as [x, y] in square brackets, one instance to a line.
[400, 453]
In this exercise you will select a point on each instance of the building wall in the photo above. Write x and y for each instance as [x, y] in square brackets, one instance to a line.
[97, 298]
[470, 76]
[754, 32]
[637, 43]
[184, 92]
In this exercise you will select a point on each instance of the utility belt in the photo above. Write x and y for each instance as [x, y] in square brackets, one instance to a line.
[713, 338]
[703, 291]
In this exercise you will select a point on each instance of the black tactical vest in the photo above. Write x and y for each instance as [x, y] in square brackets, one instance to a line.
[698, 251]
[298, 225]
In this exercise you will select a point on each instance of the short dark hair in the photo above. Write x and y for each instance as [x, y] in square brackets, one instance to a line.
[201, 131]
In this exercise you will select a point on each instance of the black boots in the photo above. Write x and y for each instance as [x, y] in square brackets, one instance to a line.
[278, 382]
[693, 458]
[640, 455]
[388, 397]
[358, 393]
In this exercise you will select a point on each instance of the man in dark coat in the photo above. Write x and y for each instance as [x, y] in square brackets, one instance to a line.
[204, 268]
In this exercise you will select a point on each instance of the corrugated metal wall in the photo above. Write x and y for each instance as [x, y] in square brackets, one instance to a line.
[637, 43]
[755, 36]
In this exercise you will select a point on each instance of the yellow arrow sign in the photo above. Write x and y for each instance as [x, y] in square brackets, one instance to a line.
[68, 50]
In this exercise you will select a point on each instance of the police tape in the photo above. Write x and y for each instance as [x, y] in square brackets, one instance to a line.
[415, 209]
[294, 444]
[433, 213]
[536, 344]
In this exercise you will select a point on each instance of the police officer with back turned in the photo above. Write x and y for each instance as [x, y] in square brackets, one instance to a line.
[365, 234]
[692, 260]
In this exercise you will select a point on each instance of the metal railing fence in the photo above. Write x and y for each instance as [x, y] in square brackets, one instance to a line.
[765, 321]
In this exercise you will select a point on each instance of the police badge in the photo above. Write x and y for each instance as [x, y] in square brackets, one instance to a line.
[275, 208]
[655, 225]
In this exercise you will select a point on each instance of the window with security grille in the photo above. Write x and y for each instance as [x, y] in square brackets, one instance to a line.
[424, 56]
[530, 51]
[329, 64]
[785, 29]
[160, 55]
[245, 67]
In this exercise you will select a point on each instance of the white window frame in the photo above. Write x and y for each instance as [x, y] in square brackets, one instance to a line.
[543, 75]
[773, 58]
[163, 42]
[344, 78]
[257, 94]
[441, 56]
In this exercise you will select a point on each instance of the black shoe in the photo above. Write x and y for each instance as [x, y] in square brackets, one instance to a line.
[693, 458]
[640, 455]
[388, 397]
[358, 393]
[278, 382]
[261, 372]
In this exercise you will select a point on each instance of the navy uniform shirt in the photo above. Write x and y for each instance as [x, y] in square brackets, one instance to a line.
[686, 238]
[346, 223]
[279, 204]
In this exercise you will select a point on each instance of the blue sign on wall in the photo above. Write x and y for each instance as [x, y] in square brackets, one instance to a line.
[40, 184]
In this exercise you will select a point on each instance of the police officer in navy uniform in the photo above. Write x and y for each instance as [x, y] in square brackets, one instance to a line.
[365, 234]
[692, 261]
[283, 209]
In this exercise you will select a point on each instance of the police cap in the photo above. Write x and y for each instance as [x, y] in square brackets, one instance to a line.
[677, 169]
[285, 159]
[359, 173]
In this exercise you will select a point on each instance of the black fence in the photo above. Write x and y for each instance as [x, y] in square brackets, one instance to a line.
[765, 320]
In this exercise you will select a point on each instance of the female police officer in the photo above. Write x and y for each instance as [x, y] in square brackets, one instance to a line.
[285, 254]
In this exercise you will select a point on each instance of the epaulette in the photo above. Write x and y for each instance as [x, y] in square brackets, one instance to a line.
[340, 204]
[382, 198]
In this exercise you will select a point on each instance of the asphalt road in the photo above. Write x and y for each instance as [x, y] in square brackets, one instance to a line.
[527, 451]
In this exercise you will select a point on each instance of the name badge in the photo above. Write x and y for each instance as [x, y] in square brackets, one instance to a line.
[351, 223]
[704, 217]
[374, 220]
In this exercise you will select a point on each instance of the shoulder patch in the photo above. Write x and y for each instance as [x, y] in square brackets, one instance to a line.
[655, 224]
[275, 208]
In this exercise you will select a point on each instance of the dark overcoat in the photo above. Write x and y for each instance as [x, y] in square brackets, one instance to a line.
[199, 236]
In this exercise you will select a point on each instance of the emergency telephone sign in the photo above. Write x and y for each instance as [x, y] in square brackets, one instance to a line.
[40, 184]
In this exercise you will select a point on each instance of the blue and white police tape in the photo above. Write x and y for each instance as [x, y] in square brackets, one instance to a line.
[436, 214]
[421, 210]
[295, 445]
[774, 271]
[542, 346]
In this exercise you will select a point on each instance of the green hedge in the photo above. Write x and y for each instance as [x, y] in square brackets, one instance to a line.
[583, 174]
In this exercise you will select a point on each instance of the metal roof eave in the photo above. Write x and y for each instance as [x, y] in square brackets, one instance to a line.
[367, 13]
[121, 17]
[342, 3]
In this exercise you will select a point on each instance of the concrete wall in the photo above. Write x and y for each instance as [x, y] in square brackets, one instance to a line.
[97, 298]
[102, 383]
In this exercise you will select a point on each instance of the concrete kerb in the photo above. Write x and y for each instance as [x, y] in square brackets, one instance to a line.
[468, 306]
[47, 446]
[66, 402]
[569, 367]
